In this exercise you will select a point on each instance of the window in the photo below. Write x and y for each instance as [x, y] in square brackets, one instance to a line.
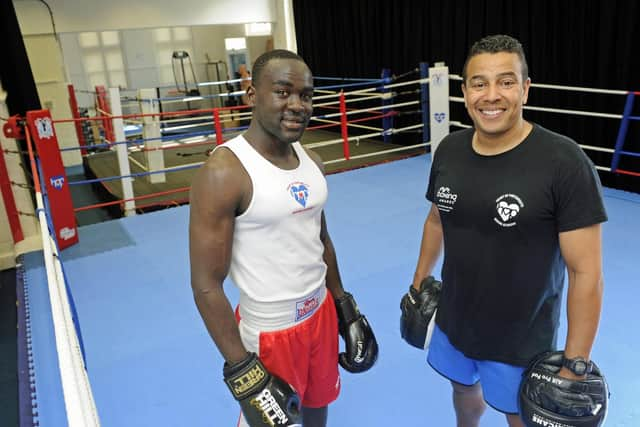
[257, 29]
[167, 41]
[102, 59]
[235, 43]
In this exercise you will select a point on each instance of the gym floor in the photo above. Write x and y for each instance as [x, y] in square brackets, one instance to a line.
[151, 362]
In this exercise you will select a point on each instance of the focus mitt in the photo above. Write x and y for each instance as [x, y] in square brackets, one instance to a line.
[546, 398]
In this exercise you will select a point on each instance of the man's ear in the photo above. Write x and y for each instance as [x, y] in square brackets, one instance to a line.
[251, 95]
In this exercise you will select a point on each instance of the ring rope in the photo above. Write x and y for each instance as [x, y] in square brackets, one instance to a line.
[391, 150]
[366, 136]
[556, 110]
[336, 123]
[568, 88]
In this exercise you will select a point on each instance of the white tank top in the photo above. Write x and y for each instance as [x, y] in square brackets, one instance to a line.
[277, 259]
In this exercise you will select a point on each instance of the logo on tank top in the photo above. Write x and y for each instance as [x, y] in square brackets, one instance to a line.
[300, 192]
[508, 206]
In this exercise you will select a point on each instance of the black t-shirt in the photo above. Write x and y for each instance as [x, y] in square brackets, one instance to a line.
[503, 272]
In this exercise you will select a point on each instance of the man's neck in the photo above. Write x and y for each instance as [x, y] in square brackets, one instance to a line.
[491, 145]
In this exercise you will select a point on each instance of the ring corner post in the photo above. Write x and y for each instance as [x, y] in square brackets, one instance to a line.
[344, 129]
[152, 135]
[424, 102]
[54, 177]
[122, 154]
[622, 131]
[438, 103]
[387, 121]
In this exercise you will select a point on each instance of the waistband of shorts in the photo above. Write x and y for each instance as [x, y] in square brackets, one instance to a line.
[280, 314]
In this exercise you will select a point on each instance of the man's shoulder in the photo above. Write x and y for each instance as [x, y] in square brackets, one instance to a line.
[555, 139]
[558, 146]
[461, 135]
[455, 141]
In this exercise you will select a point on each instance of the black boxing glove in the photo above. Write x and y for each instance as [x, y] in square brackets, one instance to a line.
[418, 312]
[265, 399]
[361, 345]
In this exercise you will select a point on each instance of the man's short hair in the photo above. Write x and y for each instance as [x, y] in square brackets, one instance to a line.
[264, 59]
[496, 44]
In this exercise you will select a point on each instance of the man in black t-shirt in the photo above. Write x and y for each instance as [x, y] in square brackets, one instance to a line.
[514, 206]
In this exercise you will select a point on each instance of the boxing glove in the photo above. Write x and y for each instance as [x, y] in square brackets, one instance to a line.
[418, 312]
[360, 343]
[265, 399]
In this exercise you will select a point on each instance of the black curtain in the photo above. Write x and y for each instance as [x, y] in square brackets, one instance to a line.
[15, 71]
[587, 43]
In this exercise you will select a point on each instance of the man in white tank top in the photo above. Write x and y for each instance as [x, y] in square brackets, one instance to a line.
[257, 216]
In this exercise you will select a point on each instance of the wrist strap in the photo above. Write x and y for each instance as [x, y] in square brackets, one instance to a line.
[245, 377]
[347, 309]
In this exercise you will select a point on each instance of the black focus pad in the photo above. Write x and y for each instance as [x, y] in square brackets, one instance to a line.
[265, 399]
[360, 342]
[546, 398]
[418, 308]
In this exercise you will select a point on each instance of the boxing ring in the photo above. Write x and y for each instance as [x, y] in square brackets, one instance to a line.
[149, 360]
[148, 146]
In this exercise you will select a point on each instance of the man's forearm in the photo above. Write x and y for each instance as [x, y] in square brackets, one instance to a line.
[333, 280]
[430, 249]
[584, 304]
[220, 321]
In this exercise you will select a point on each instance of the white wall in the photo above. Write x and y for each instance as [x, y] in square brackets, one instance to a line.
[47, 67]
[101, 15]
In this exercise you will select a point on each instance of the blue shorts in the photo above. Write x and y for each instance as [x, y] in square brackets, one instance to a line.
[499, 381]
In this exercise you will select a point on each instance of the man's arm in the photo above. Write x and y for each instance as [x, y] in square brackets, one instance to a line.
[361, 347]
[216, 194]
[430, 248]
[333, 280]
[582, 252]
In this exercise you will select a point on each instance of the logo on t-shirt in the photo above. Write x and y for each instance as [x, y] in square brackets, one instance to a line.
[508, 206]
[300, 192]
[445, 199]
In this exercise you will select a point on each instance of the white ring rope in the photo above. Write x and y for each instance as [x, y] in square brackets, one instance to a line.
[366, 136]
[559, 87]
[366, 110]
[556, 110]
[78, 397]
[224, 82]
[350, 125]
[391, 150]
[363, 98]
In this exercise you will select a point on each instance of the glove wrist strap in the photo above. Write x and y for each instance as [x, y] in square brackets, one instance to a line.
[245, 377]
[347, 309]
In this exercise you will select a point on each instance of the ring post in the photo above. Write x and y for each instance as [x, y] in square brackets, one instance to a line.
[424, 101]
[55, 178]
[73, 103]
[153, 153]
[217, 125]
[622, 131]
[343, 126]
[387, 121]
[123, 156]
[105, 112]
[438, 103]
